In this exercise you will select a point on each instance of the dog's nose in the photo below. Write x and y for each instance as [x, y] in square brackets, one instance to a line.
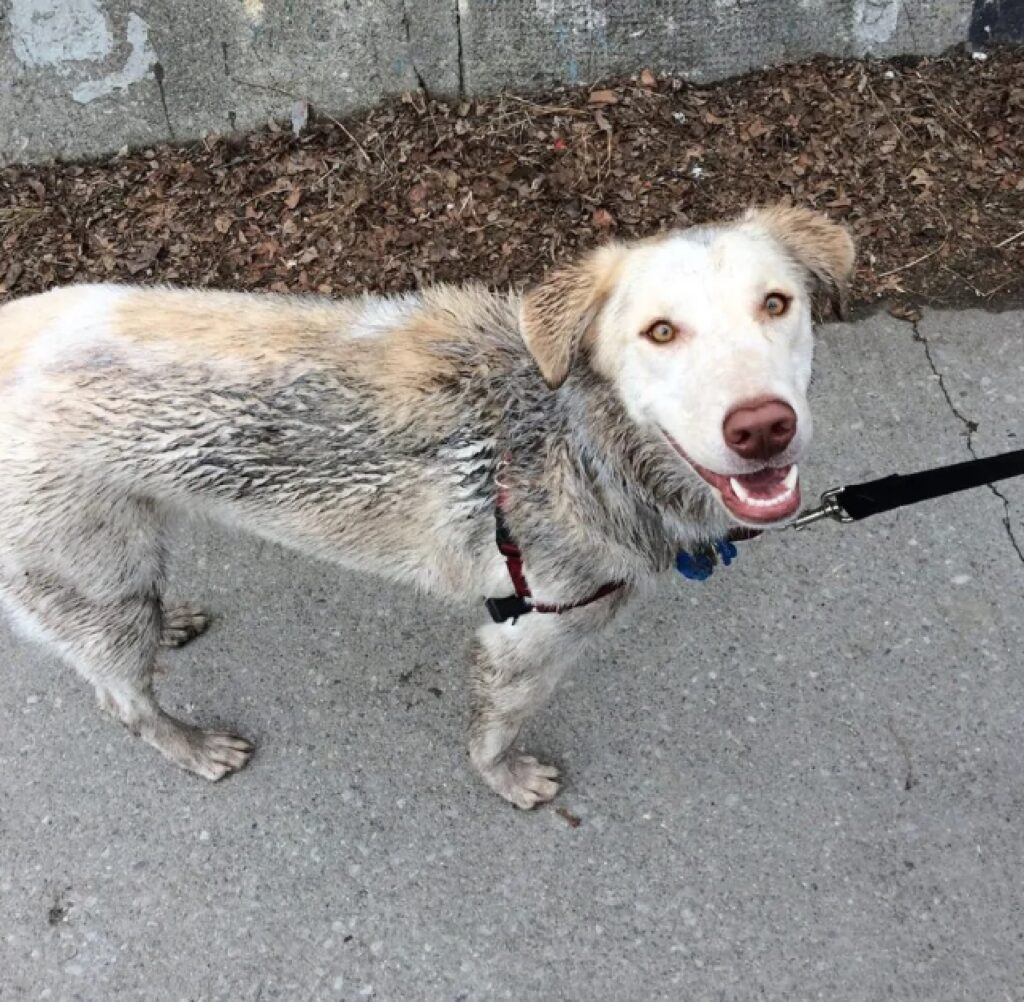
[761, 429]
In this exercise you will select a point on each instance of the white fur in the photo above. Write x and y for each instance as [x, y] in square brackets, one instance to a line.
[380, 315]
[80, 327]
[711, 285]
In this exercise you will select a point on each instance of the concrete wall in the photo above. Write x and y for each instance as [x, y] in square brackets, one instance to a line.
[80, 77]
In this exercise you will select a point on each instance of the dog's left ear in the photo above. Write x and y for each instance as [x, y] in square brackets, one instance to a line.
[823, 248]
[556, 316]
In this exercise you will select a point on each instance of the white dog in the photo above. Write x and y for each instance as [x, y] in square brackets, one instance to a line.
[647, 399]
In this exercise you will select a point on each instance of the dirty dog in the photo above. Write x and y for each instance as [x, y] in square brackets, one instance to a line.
[648, 398]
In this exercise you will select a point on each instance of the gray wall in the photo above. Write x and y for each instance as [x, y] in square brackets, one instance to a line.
[81, 77]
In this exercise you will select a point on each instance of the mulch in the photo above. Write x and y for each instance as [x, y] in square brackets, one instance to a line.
[922, 158]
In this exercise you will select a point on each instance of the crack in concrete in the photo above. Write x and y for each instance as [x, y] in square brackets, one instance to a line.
[408, 41]
[461, 54]
[970, 427]
[158, 75]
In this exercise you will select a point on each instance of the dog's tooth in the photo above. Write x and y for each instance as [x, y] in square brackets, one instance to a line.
[740, 491]
[792, 477]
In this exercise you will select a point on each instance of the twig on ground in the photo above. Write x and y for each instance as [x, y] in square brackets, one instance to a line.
[352, 139]
[911, 264]
[1010, 240]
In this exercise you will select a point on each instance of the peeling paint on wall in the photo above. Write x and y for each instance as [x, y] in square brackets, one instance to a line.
[56, 32]
[62, 35]
[138, 66]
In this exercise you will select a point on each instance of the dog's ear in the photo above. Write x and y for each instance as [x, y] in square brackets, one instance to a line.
[823, 248]
[556, 316]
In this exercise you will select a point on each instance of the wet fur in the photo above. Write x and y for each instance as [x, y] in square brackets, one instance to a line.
[368, 432]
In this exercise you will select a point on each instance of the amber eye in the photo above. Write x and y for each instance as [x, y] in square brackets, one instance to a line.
[776, 304]
[660, 332]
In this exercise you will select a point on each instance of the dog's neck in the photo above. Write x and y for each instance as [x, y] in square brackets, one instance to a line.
[589, 472]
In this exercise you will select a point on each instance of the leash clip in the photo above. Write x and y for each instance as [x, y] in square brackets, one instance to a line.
[828, 508]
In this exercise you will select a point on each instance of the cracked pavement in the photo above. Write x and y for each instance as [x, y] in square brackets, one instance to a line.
[800, 780]
[968, 364]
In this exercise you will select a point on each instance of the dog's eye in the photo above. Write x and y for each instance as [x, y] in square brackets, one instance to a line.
[660, 332]
[776, 304]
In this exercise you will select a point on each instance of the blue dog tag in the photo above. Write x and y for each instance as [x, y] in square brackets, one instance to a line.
[699, 565]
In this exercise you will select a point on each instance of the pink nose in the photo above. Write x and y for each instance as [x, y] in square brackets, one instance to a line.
[761, 429]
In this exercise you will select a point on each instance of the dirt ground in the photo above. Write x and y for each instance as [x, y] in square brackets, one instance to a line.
[923, 158]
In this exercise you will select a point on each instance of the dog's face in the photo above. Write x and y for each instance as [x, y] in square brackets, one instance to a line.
[706, 335]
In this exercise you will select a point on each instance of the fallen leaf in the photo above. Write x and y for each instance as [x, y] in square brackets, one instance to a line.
[603, 97]
[570, 819]
[14, 271]
[905, 311]
[648, 80]
[920, 177]
[293, 198]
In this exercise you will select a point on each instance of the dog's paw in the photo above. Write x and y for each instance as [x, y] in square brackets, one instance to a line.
[522, 780]
[182, 624]
[213, 754]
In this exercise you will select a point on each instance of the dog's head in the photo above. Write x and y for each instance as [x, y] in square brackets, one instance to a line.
[706, 335]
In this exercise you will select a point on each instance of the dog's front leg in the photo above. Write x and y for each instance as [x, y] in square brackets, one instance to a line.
[515, 669]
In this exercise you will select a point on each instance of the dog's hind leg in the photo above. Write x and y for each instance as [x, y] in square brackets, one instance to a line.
[113, 645]
[84, 575]
[515, 669]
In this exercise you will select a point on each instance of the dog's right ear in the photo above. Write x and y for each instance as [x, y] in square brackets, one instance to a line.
[557, 316]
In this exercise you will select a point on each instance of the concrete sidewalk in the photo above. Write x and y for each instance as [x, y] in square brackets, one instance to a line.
[803, 779]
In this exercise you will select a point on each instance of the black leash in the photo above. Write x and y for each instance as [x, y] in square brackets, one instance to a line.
[850, 504]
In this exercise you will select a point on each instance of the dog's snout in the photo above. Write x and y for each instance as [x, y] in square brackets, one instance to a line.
[760, 430]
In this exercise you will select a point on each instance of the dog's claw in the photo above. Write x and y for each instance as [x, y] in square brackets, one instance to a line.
[522, 780]
[182, 624]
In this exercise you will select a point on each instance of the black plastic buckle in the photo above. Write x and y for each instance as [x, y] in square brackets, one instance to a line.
[510, 607]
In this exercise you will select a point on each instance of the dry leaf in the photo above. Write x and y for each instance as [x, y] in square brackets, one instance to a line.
[603, 97]
[920, 177]
[648, 80]
[572, 820]
[905, 311]
[14, 270]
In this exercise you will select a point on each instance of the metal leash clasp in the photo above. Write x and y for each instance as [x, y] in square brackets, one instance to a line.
[828, 508]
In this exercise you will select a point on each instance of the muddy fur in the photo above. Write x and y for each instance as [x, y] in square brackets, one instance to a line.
[367, 432]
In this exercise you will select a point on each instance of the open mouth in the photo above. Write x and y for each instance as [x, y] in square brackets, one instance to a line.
[769, 495]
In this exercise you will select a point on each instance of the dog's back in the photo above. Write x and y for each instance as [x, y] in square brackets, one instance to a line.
[295, 414]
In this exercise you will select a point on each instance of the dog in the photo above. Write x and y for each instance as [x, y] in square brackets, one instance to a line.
[551, 451]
